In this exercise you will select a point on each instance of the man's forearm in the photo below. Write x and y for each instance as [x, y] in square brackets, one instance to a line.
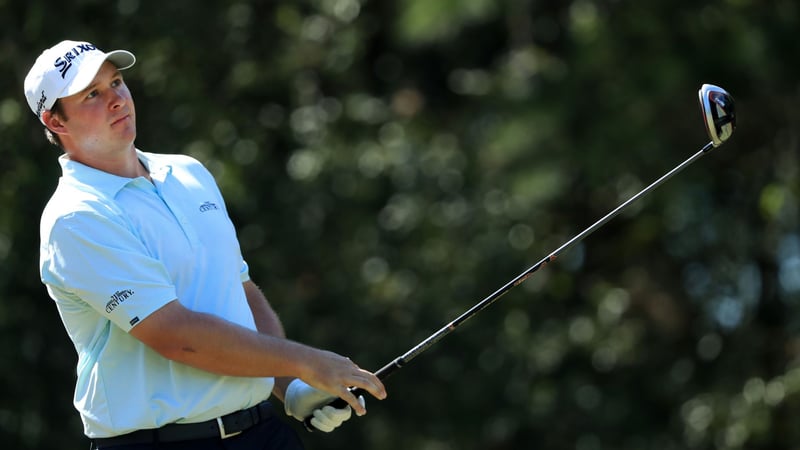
[213, 344]
[207, 342]
[268, 322]
[266, 318]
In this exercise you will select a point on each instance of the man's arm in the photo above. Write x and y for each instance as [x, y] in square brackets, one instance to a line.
[210, 343]
[267, 322]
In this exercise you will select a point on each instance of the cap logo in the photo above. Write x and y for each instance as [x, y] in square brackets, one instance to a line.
[40, 104]
[65, 63]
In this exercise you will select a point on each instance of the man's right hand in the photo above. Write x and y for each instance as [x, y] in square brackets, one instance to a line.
[335, 375]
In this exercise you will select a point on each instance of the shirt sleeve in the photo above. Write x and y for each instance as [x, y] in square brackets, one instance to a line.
[245, 272]
[102, 262]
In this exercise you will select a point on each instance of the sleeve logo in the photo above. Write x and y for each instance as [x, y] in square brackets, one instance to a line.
[117, 298]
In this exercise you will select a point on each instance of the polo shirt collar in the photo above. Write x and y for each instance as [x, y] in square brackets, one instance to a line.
[104, 182]
[156, 166]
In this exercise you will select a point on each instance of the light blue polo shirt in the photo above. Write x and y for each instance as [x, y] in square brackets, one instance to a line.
[114, 250]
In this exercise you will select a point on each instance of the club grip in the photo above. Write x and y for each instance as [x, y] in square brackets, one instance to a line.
[338, 403]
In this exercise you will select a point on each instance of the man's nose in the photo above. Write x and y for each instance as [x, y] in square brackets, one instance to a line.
[117, 100]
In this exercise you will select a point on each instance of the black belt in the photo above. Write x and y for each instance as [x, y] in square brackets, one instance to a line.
[222, 427]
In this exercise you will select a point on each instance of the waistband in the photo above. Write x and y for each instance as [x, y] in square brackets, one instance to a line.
[222, 427]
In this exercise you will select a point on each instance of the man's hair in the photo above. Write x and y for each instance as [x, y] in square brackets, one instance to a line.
[53, 137]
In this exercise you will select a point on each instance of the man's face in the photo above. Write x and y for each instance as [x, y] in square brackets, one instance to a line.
[101, 117]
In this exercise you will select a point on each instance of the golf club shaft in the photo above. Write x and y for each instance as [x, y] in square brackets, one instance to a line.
[402, 360]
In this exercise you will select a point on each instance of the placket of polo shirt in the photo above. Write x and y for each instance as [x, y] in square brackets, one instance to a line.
[162, 180]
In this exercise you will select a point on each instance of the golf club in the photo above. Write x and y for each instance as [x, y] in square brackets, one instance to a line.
[720, 120]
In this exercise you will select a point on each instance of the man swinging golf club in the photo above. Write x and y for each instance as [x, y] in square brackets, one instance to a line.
[177, 346]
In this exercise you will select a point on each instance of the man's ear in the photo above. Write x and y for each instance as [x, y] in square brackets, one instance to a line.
[53, 122]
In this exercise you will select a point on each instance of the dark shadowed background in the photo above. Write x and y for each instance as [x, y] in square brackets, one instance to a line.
[389, 164]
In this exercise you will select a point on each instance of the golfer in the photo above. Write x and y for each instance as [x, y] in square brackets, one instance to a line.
[177, 347]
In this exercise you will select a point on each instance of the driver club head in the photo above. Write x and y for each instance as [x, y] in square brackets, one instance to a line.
[719, 113]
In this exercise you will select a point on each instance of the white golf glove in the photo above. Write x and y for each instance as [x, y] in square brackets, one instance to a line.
[302, 400]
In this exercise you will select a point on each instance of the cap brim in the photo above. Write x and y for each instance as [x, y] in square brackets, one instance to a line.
[122, 59]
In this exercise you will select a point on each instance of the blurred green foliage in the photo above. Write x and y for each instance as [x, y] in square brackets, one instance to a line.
[389, 164]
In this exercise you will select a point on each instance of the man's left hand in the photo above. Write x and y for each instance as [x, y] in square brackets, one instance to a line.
[302, 400]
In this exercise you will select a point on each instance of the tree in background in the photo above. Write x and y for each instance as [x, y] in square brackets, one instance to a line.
[388, 164]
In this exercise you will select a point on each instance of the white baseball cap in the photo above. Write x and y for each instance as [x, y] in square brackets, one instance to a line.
[66, 69]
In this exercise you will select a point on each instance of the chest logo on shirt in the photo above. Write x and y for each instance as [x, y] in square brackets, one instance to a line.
[208, 206]
[117, 298]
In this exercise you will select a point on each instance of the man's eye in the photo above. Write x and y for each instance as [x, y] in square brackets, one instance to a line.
[92, 94]
[116, 83]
